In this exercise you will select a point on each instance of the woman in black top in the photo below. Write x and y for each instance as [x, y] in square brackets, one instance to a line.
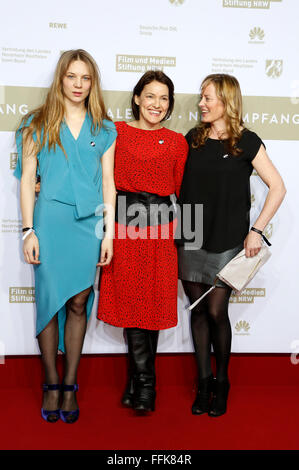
[222, 155]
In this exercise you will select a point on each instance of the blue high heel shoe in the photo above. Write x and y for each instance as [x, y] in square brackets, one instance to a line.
[69, 417]
[51, 416]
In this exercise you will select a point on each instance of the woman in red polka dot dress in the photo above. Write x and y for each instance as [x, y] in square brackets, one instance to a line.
[138, 290]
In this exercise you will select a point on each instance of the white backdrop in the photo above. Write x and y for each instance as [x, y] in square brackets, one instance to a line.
[257, 41]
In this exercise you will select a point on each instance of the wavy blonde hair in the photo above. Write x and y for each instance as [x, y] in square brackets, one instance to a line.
[228, 91]
[47, 119]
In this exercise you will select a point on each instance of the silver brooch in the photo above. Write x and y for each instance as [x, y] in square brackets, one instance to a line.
[92, 144]
[225, 156]
[161, 141]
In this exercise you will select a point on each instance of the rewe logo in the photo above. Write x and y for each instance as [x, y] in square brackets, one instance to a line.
[58, 25]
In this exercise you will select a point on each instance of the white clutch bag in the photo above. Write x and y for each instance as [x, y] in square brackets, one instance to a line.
[239, 271]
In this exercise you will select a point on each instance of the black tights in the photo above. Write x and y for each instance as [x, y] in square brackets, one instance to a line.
[210, 325]
[75, 329]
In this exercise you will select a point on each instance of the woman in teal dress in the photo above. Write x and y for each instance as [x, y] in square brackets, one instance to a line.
[69, 142]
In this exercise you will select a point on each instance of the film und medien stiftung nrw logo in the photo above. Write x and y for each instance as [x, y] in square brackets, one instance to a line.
[251, 4]
[21, 295]
[248, 295]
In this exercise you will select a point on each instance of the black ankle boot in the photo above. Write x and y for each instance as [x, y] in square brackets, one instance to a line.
[201, 404]
[220, 396]
[145, 394]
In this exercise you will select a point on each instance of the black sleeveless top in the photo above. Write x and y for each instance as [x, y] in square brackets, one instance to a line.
[220, 182]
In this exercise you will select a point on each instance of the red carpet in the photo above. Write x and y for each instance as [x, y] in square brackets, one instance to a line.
[263, 408]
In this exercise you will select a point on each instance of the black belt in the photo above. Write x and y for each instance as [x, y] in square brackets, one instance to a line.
[143, 209]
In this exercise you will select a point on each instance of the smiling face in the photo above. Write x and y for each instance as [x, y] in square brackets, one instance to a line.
[211, 107]
[76, 83]
[153, 104]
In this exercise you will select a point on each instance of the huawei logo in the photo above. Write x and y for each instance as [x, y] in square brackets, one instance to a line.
[242, 325]
[257, 33]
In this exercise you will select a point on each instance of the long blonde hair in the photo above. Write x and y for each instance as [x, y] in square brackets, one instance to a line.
[47, 119]
[228, 91]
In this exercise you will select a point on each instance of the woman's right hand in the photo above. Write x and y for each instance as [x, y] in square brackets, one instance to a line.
[37, 187]
[31, 249]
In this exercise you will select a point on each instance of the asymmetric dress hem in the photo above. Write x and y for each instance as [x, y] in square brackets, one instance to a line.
[68, 219]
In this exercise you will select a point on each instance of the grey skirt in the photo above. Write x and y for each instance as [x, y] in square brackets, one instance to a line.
[202, 266]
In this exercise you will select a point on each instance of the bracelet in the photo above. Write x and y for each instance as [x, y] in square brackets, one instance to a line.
[31, 230]
[26, 228]
[262, 235]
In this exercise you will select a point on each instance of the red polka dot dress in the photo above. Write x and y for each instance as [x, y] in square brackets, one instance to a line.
[139, 287]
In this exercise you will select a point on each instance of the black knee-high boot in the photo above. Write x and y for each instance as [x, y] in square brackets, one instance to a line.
[140, 391]
[127, 398]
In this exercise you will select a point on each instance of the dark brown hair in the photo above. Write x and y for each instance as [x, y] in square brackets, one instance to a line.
[148, 77]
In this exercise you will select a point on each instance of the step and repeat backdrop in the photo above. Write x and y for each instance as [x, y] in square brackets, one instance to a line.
[257, 41]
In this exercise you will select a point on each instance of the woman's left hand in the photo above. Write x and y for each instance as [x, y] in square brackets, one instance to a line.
[106, 252]
[252, 244]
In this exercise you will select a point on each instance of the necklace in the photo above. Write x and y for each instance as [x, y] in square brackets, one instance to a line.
[219, 135]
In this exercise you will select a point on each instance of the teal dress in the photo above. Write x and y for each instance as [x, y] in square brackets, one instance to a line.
[68, 219]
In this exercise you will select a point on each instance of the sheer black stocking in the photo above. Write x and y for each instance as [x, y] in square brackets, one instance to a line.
[220, 329]
[200, 327]
[75, 329]
[210, 324]
[48, 344]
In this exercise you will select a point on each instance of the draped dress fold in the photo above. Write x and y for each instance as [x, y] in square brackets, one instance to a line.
[68, 219]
